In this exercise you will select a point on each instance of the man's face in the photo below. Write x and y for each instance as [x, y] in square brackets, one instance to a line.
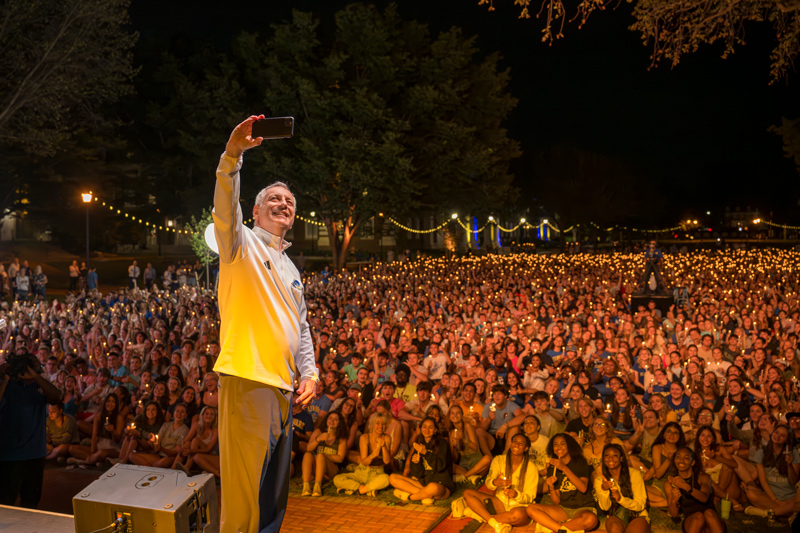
[402, 377]
[276, 212]
[498, 397]
[361, 376]
[468, 393]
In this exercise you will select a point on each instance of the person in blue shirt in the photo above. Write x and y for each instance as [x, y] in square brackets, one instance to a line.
[660, 384]
[319, 405]
[23, 407]
[496, 417]
[677, 400]
[91, 279]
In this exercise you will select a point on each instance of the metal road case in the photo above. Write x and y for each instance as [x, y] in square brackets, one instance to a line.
[152, 500]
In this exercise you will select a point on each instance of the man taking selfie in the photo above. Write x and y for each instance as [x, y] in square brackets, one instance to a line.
[265, 345]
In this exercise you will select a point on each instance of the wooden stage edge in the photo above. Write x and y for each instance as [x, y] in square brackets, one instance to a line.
[21, 520]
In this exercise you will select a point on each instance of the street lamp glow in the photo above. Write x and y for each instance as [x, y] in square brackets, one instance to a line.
[313, 214]
[454, 216]
[87, 197]
[694, 222]
[522, 221]
[491, 219]
[544, 221]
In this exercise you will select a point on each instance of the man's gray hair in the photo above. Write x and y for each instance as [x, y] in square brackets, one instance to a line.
[263, 193]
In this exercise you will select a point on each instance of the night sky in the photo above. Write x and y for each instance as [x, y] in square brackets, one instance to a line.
[698, 131]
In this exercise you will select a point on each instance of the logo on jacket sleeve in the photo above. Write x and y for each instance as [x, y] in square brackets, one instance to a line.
[297, 285]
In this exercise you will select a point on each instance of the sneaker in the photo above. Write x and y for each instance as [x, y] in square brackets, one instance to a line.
[475, 480]
[469, 513]
[401, 495]
[372, 494]
[752, 510]
[73, 461]
[498, 527]
[317, 490]
[457, 507]
[340, 490]
[306, 489]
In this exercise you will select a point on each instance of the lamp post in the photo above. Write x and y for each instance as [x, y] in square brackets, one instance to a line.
[87, 199]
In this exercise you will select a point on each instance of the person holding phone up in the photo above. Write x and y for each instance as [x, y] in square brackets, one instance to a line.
[265, 345]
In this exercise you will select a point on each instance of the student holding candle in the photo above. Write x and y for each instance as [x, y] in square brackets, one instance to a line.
[514, 478]
[688, 492]
[621, 491]
[664, 447]
[573, 507]
[138, 434]
[778, 467]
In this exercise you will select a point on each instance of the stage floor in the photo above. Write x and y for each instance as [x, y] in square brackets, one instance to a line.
[32, 521]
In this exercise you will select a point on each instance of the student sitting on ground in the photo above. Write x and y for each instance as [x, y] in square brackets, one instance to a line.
[426, 476]
[514, 478]
[620, 490]
[573, 507]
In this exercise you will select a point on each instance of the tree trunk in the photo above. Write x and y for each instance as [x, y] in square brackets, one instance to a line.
[339, 249]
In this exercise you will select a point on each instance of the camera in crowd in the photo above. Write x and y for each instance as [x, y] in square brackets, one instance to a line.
[17, 364]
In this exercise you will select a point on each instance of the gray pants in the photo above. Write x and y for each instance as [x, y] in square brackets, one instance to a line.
[255, 452]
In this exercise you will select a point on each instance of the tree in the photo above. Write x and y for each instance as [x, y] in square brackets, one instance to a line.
[676, 27]
[61, 62]
[789, 130]
[58, 58]
[388, 119]
[194, 99]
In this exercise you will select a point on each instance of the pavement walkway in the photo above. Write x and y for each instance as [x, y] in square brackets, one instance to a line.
[342, 514]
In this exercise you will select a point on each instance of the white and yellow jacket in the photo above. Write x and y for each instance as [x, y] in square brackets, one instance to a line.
[524, 497]
[264, 334]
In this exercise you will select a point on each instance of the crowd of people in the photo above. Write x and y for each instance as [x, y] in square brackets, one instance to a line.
[519, 375]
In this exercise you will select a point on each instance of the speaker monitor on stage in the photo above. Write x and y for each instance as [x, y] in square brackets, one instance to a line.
[150, 500]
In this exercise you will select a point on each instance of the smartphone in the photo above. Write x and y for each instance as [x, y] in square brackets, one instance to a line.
[273, 128]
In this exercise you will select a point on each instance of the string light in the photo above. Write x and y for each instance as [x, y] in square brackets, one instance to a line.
[454, 217]
[153, 224]
[309, 221]
[412, 230]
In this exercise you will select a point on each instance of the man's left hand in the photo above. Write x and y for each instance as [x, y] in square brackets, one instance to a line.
[306, 391]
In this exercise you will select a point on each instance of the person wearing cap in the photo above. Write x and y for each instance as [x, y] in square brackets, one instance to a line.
[793, 419]
[414, 411]
[355, 393]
